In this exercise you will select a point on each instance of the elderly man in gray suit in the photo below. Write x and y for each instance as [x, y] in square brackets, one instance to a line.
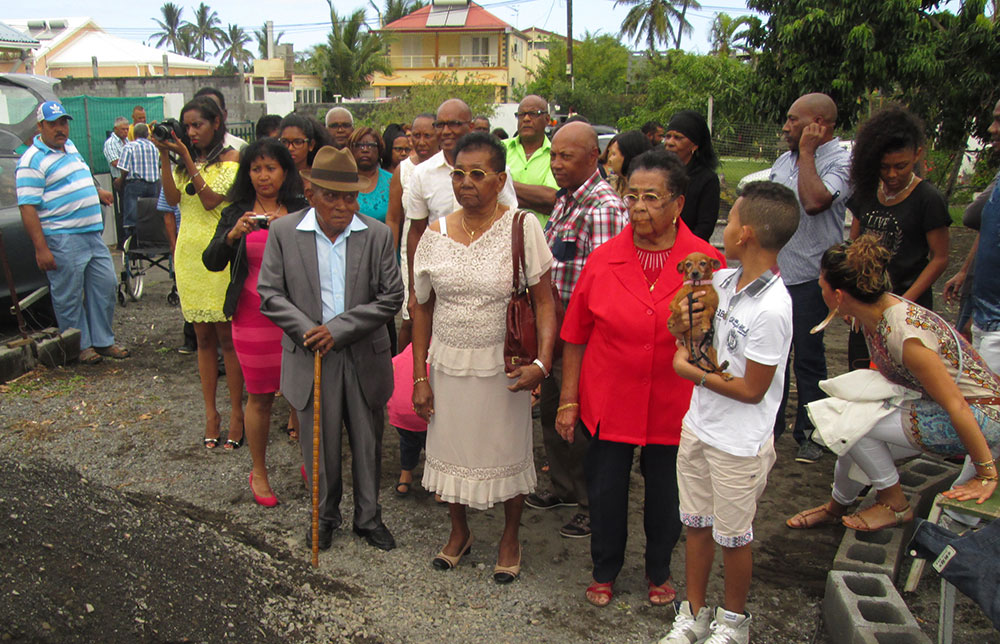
[329, 279]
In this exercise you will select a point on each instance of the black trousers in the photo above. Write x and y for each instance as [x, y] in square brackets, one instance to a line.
[608, 466]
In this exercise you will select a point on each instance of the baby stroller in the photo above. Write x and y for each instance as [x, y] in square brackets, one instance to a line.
[145, 247]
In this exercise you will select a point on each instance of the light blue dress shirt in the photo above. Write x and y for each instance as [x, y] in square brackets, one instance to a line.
[331, 257]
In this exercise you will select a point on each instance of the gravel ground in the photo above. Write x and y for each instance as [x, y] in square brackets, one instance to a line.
[119, 527]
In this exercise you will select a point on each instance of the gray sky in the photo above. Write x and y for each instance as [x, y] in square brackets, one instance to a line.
[306, 22]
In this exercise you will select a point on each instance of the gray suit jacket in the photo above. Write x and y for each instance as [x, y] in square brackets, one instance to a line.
[289, 291]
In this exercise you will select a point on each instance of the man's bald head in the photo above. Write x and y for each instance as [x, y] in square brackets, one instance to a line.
[532, 117]
[574, 155]
[807, 109]
[453, 122]
[455, 107]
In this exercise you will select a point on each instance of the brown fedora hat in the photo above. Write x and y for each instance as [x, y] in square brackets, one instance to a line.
[335, 169]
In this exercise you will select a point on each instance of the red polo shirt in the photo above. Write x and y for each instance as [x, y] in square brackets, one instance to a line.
[627, 382]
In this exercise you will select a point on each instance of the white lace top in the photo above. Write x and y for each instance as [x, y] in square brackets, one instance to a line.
[472, 288]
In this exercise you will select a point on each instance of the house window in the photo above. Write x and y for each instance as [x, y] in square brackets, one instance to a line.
[258, 93]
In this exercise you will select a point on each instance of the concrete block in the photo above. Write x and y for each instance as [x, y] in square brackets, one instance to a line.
[874, 552]
[923, 479]
[59, 349]
[859, 608]
[16, 360]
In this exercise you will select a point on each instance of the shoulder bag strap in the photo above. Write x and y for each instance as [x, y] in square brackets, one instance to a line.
[517, 247]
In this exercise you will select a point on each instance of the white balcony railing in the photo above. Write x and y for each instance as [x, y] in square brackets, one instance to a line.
[468, 60]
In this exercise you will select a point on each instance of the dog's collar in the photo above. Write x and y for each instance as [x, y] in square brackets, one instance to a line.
[697, 282]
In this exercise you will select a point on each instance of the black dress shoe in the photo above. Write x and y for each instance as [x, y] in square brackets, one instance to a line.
[326, 529]
[379, 536]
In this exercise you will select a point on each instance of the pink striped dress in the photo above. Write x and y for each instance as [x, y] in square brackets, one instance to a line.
[257, 340]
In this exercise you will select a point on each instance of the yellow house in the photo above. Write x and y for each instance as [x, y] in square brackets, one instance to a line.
[69, 46]
[453, 37]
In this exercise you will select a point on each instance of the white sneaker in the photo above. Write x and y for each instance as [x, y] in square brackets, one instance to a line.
[688, 629]
[729, 629]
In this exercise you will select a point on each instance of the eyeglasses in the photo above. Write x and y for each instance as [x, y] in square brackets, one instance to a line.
[340, 126]
[475, 174]
[365, 146]
[532, 113]
[293, 143]
[406, 150]
[452, 124]
[649, 199]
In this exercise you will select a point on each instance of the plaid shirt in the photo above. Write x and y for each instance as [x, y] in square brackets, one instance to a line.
[580, 222]
[113, 151]
[141, 160]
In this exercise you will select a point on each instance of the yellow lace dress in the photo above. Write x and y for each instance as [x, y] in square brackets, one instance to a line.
[202, 291]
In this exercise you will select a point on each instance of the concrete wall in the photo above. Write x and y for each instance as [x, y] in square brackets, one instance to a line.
[230, 86]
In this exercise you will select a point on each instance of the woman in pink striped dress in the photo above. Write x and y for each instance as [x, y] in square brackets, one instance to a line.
[267, 186]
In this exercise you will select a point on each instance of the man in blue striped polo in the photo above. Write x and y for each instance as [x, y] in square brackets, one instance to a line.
[61, 211]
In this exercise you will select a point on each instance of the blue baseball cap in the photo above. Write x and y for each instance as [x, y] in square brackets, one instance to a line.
[51, 111]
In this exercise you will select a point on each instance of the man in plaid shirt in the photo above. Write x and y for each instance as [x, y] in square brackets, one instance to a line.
[587, 213]
[140, 167]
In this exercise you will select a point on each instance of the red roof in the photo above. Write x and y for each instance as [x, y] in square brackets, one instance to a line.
[479, 19]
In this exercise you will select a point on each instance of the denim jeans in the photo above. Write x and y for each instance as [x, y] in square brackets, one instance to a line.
[83, 286]
[134, 190]
[808, 357]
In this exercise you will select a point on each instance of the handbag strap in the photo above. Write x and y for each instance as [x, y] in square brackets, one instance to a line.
[517, 248]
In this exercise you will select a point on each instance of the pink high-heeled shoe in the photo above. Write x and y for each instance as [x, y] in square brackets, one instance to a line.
[266, 501]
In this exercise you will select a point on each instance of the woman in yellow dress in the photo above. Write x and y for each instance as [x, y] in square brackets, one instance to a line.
[205, 170]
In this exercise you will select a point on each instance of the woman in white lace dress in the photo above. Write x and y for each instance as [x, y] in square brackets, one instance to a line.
[479, 418]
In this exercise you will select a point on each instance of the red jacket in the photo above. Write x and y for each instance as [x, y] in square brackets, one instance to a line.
[627, 382]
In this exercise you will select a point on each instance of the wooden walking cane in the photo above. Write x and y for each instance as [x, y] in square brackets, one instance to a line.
[317, 373]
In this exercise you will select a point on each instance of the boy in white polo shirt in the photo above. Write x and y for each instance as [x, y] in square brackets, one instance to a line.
[726, 448]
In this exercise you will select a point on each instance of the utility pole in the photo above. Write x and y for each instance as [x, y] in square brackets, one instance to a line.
[569, 43]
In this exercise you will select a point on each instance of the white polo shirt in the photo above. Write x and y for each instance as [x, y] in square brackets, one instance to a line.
[431, 195]
[754, 324]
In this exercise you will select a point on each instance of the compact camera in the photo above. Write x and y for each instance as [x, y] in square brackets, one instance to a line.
[262, 221]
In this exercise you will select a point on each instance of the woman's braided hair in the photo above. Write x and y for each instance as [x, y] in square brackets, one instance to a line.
[858, 267]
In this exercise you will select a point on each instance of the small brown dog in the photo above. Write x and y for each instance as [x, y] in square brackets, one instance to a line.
[697, 269]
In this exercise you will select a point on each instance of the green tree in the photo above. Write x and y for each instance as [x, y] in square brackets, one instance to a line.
[652, 21]
[170, 27]
[601, 69]
[426, 97]
[261, 36]
[395, 9]
[206, 28]
[232, 48]
[726, 37]
[350, 55]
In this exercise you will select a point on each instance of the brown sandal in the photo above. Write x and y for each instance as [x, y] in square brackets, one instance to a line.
[823, 516]
[114, 351]
[899, 518]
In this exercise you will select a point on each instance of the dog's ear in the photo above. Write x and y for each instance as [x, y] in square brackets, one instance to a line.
[680, 267]
[716, 264]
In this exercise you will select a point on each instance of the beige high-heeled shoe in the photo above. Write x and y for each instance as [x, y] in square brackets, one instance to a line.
[507, 574]
[442, 561]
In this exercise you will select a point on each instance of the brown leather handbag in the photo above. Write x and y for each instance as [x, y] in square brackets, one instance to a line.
[520, 346]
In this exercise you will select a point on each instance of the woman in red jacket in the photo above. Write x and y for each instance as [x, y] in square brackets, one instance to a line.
[618, 377]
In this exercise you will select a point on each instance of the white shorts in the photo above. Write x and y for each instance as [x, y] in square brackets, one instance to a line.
[721, 490]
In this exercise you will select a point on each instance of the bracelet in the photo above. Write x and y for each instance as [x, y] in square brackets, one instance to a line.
[702, 383]
[203, 186]
[419, 380]
[986, 479]
[990, 464]
[538, 363]
[567, 406]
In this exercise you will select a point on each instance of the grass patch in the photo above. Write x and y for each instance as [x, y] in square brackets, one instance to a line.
[734, 169]
[50, 387]
[956, 213]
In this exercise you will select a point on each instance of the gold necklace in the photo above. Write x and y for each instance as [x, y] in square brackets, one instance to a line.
[472, 233]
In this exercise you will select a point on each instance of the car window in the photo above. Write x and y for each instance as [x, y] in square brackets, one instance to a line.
[8, 194]
[16, 104]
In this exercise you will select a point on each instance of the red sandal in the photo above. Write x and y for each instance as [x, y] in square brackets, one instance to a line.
[663, 594]
[602, 593]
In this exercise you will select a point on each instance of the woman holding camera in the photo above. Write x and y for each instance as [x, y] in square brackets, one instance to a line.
[267, 186]
[204, 173]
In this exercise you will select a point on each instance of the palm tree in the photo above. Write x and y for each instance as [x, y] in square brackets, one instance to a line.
[232, 49]
[685, 26]
[187, 42]
[170, 27]
[726, 39]
[261, 36]
[395, 9]
[350, 55]
[651, 20]
[206, 27]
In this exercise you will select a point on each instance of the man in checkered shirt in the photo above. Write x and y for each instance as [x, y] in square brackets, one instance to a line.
[587, 213]
[140, 167]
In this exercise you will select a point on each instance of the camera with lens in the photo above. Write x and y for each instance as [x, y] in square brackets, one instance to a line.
[262, 221]
[163, 129]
